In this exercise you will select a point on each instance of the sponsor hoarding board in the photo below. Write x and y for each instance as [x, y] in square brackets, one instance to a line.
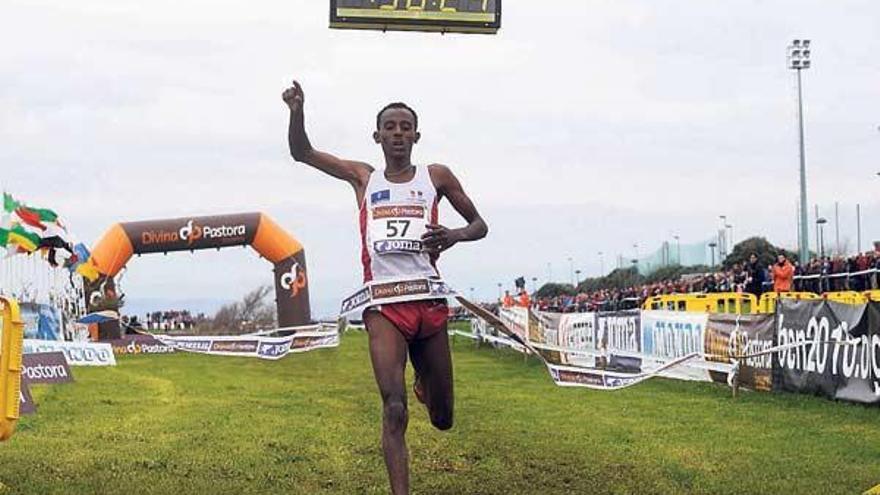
[77, 353]
[139, 344]
[26, 405]
[45, 367]
[669, 335]
[253, 345]
[729, 335]
[838, 351]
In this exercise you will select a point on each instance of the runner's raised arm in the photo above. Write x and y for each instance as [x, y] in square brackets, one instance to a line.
[354, 172]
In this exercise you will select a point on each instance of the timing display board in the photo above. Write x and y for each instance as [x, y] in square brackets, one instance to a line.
[445, 16]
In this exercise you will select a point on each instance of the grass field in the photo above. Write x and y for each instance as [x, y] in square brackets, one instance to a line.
[309, 424]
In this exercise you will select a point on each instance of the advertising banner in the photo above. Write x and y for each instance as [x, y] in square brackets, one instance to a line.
[517, 319]
[838, 355]
[41, 321]
[139, 344]
[580, 329]
[619, 335]
[668, 335]
[45, 367]
[77, 353]
[27, 405]
[728, 336]
[257, 346]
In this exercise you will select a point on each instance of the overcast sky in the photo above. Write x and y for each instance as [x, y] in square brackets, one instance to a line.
[587, 129]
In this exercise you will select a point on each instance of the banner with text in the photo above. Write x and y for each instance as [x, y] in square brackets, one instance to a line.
[728, 336]
[668, 335]
[139, 344]
[45, 367]
[77, 353]
[253, 345]
[840, 352]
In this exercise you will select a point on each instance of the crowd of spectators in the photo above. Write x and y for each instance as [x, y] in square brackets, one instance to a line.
[839, 273]
[858, 273]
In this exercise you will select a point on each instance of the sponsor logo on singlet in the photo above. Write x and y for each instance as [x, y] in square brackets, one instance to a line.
[380, 196]
[397, 289]
[397, 245]
[401, 211]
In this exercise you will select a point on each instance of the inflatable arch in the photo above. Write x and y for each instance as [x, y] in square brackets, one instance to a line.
[123, 240]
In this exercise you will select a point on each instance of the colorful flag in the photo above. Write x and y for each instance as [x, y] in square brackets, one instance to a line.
[30, 217]
[9, 203]
[88, 270]
[20, 237]
[45, 214]
[12, 205]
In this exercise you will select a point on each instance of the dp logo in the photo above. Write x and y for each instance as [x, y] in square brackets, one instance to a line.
[294, 280]
[190, 232]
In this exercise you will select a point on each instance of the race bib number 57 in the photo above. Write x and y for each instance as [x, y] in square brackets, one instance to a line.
[397, 228]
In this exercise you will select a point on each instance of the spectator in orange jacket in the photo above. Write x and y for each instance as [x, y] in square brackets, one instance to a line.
[524, 300]
[507, 301]
[783, 274]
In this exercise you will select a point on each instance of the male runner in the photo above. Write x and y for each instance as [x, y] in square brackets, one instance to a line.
[401, 240]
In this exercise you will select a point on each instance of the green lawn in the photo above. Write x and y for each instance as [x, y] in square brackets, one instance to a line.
[309, 423]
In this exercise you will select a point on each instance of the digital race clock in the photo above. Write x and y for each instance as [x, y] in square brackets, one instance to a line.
[446, 16]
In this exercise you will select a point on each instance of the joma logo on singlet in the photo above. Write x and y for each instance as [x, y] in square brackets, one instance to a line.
[391, 246]
[398, 212]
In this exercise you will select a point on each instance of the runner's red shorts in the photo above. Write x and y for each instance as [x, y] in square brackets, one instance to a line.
[417, 320]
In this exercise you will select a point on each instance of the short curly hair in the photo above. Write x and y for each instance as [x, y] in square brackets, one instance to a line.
[394, 105]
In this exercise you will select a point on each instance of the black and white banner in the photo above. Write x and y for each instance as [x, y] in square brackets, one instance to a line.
[839, 355]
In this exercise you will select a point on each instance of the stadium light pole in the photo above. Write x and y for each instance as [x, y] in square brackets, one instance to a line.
[571, 270]
[712, 246]
[636, 259]
[577, 277]
[677, 249]
[729, 228]
[820, 222]
[722, 236]
[534, 284]
[601, 264]
[798, 60]
[858, 228]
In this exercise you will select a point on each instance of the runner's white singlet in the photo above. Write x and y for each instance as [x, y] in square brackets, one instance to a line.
[392, 220]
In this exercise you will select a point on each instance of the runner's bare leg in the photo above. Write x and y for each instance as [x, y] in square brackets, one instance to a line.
[388, 354]
[433, 363]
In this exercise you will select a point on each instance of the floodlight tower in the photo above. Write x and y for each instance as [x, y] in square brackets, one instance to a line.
[798, 60]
